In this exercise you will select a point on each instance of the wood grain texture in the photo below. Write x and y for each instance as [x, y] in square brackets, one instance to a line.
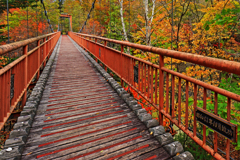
[80, 116]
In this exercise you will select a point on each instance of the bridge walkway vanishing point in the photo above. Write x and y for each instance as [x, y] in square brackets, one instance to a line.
[80, 116]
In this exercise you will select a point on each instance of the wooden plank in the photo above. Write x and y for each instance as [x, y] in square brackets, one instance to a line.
[132, 151]
[79, 119]
[76, 110]
[81, 127]
[157, 154]
[83, 142]
[81, 116]
[93, 151]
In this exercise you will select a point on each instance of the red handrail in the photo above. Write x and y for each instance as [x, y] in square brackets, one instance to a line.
[24, 69]
[122, 65]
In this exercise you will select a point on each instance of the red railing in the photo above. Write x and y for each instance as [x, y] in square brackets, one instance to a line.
[24, 69]
[156, 89]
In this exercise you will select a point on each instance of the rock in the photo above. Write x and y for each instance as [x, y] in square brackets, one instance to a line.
[164, 139]
[19, 132]
[15, 141]
[136, 107]
[140, 111]
[145, 117]
[184, 156]
[22, 124]
[131, 103]
[159, 130]
[151, 123]
[11, 152]
[174, 148]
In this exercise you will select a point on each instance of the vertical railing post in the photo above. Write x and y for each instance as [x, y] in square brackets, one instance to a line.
[25, 51]
[49, 46]
[81, 40]
[39, 58]
[95, 44]
[122, 65]
[161, 88]
[2, 98]
[104, 54]
[44, 51]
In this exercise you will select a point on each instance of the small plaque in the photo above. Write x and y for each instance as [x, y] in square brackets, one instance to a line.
[100, 52]
[136, 74]
[217, 124]
[12, 86]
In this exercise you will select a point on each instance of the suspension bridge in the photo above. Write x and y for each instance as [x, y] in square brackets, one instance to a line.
[73, 108]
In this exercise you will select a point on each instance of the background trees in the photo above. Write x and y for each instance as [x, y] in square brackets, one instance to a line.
[203, 27]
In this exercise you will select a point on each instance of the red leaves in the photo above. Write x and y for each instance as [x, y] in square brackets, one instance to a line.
[134, 26]
[140, 99]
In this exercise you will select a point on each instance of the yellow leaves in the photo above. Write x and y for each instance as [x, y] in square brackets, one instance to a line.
[3, 61]
[29, 153]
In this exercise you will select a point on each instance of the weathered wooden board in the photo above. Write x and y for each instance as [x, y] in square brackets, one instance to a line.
[81, 116]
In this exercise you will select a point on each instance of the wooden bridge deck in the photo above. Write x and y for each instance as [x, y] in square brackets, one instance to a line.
[81, 117]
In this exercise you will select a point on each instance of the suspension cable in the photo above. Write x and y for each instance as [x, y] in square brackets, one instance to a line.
[47, 16]
[88, 16]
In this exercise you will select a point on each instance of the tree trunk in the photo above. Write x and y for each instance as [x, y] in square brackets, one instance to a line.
[123, 24]
[148, 20]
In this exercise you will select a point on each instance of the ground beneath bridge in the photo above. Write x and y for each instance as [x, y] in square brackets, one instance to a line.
[81, 117]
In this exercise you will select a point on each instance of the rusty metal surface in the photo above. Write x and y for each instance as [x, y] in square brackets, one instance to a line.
[123, 64]
[224, 65]
[24, 70]
[81, 117]
[9, 47]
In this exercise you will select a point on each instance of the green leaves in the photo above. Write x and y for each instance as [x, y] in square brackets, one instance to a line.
[227, 17]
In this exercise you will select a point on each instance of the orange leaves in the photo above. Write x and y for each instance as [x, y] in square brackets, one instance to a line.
[3, 62]
[134, 26]
[14, 9]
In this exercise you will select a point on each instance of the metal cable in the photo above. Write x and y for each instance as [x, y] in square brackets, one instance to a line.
[8, 21]
[47, 16]
[27, 22]
[84, 24]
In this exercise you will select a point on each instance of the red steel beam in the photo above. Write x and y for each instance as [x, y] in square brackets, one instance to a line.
[229, 66]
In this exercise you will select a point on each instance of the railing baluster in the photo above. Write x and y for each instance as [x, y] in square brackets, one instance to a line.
[152, 84]
[173, 94]
[161, 88]
[4, 95]
[139, 75]
[104, 54]
[204, 107]
[39, 58]
[44, 51]
[25, 51]
[2, 112]
[215, 112]
[148, 80]
[156, 90]
[228, 119]
[179, 101]
[195, 105]
[144, 78]
[186, 108]
[167, 93]
[142, 66]
[132, 71]
[122, 65]
[8, 91]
